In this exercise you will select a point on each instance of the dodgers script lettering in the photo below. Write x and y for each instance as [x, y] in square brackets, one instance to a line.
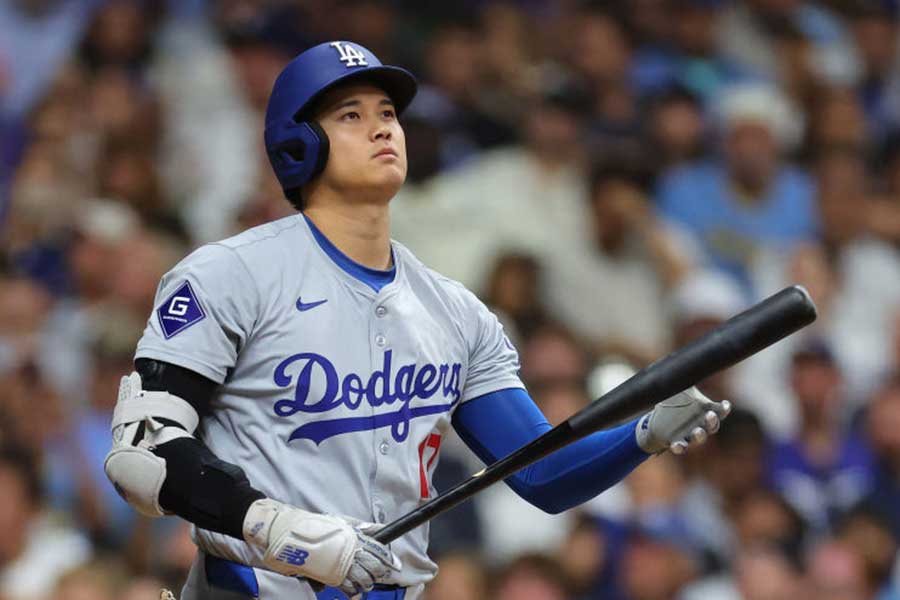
[311, 372]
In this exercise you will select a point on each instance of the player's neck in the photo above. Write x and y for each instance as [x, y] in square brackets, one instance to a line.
[362, 232]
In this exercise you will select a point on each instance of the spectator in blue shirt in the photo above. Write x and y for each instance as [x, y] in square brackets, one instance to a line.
[749, 197]
[825, 468]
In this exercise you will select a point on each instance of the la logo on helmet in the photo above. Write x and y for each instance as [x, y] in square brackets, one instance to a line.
[349, 55]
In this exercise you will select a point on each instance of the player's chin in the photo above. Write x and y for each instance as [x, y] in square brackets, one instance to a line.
[388, 175]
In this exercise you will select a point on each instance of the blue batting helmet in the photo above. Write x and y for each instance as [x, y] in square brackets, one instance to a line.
[298, 148]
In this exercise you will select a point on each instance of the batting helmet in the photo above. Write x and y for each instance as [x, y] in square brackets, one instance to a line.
[298, 147]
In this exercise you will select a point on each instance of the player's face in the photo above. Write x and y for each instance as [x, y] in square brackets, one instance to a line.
[368, 148]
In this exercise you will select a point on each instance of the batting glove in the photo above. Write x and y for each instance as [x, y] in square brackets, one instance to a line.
[335, 551]
[680, 421]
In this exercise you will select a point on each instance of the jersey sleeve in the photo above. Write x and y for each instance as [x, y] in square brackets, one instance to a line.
[203, 313]
[493, 360]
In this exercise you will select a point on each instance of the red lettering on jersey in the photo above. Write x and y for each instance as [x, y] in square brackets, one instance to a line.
[433, 441]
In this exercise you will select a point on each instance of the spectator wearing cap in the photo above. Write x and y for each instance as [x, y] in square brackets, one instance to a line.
[825, 467]
[749, 197]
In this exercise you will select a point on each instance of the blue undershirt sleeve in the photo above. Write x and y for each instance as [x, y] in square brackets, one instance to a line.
[496, 424]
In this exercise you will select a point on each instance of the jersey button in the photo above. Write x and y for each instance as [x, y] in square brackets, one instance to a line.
[380, 340]
[383, 447]
[380, 311]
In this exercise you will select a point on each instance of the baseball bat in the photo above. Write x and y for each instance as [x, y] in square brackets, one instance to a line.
[741, 336]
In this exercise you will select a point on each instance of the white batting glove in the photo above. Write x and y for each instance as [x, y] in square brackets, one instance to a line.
[325, 548]
[676, 423]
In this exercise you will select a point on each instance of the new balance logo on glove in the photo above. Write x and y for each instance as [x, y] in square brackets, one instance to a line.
[292, 555]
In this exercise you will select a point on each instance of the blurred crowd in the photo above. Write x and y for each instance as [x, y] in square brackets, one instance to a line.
[613, 178]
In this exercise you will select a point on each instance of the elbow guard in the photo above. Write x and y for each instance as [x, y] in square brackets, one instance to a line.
[142, 421]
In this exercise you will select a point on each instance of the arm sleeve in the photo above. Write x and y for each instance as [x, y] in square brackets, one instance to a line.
[205, 310]
[498, 423]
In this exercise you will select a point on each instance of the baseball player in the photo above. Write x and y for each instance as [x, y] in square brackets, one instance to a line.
[294, 382]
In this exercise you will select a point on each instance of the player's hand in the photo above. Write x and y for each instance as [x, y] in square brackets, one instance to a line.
[333, 550]
[680, 421]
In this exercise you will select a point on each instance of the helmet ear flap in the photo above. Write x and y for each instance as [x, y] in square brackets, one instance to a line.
[298, 151]
[324, 148]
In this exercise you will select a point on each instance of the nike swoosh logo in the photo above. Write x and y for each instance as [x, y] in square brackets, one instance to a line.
[302, 307]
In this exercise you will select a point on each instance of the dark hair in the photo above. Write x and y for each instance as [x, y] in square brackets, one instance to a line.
[620, 170]
[676, 94]
[741, 427]
[295, 198]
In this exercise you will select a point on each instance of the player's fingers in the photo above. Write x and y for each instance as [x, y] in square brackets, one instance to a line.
[358, 581]
[698, 435]
[678, 447]
[351, 590]
[722, 408]
[365, 577]
[711, 421]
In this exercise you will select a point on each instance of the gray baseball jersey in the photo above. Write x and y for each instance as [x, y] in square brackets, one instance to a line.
[333, 397]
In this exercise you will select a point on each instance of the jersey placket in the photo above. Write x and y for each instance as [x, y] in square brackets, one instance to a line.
[384, 447]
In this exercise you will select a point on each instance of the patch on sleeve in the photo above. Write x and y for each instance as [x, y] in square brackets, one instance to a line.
[180, 311]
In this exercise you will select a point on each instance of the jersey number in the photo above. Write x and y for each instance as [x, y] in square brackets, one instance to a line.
[429, 446]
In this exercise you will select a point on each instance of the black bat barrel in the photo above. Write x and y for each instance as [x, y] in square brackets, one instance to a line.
[738, 338]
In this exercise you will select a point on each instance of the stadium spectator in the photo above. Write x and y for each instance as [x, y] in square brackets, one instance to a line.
[748, 198]
[824, 468]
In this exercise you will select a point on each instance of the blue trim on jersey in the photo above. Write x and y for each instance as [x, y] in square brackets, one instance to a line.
[496, 424]
[374, 278]
[380, 592]
[231, 576]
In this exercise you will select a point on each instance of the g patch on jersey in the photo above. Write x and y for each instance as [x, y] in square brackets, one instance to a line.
[180, 311]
